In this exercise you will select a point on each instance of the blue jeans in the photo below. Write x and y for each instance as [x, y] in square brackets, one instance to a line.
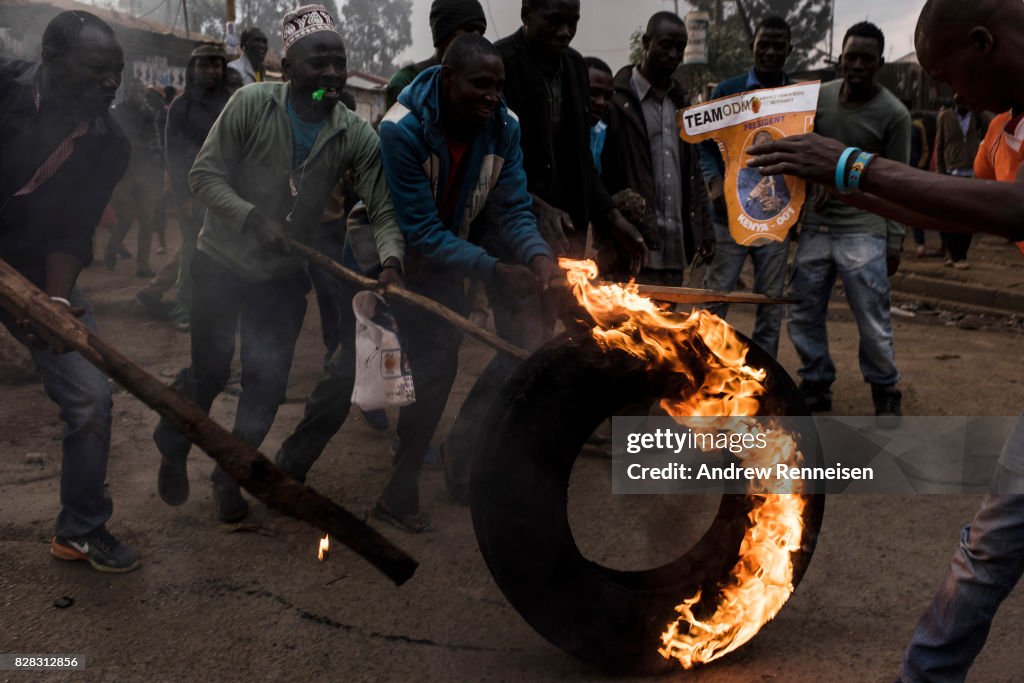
[985, 568]
[769, 279]
[859, 260]
[83, 394]
[267, 317]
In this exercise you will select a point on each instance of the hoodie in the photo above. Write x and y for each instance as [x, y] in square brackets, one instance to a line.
[189, 120]
[493, 188]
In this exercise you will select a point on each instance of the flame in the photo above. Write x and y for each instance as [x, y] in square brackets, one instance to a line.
[708, 354]
[325, 548]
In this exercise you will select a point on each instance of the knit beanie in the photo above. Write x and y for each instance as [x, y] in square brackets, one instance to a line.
[447, 16]
[208, 50]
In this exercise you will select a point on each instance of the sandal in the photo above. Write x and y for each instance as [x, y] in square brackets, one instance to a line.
[414, 524]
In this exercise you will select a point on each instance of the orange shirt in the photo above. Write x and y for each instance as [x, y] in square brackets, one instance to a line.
[996, 159]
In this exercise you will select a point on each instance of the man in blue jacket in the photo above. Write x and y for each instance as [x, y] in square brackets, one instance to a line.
[453, 163]
[771, 46]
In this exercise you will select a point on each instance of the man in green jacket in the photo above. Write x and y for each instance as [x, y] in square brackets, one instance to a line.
[265, 174]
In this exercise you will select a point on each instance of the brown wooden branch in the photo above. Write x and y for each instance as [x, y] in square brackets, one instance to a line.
[688, 295]
[410, 298]
[54, 323]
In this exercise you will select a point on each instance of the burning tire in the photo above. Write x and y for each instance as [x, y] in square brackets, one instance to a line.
[612, 618]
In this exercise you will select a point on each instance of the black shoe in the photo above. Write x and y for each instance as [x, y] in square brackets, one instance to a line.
[888, 405]
[289, 468]
[231, 506]
[99, 548]
[817, 396]
[415, 523]
[144, 272]
[172, 481]
[153, 305]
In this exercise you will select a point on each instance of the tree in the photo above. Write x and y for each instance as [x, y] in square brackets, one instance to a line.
[728, 55]
[207, 17]
[810, 20]
[375, 32]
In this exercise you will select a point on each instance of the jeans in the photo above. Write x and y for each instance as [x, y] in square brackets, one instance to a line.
[82, 393]
[269, 318]
[189, 227]
[987, 564]
[859, 260]
[769, 279]
[332, 294]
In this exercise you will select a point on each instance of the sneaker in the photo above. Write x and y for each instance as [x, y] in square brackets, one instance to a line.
[231, 506]
[99, 548]
[377, 419]
[152, 303]
[161, 250]
[172, 481]
[961, 265]
[817, 396]
[888, 405]
[144, 272]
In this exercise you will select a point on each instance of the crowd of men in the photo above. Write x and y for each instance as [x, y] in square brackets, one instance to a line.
[492, 161]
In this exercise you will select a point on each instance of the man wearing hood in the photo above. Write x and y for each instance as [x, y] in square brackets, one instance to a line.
[451, 151]
[449, 19]
[265, 173]
[189, 121]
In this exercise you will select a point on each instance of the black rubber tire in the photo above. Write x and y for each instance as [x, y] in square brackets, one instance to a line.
[520, 480]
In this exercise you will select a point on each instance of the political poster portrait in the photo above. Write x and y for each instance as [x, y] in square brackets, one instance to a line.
[761, 209]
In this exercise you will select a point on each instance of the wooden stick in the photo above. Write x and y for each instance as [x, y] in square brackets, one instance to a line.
[687, 295]
[55, 324]
[407, 297]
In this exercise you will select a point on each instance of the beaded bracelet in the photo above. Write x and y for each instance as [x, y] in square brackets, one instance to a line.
[864, 160]
[844, 160]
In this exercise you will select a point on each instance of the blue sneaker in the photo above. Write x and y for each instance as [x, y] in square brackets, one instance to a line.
[377, 419]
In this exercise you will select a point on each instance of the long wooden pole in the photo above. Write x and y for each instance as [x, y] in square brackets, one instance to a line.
[407, 297]
[53, 322]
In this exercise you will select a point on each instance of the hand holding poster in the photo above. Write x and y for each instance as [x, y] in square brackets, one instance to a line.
[760, 208]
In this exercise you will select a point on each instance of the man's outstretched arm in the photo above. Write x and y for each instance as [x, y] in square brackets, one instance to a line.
[902, 193]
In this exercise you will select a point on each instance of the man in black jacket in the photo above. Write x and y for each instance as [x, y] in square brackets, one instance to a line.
[189, 120]
[547, 85]
[62, 155]
[644, 152]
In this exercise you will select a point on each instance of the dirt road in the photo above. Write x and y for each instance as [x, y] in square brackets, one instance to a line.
[217, 603]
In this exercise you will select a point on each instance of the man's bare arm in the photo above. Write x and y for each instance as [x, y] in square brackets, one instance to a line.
[951, 204]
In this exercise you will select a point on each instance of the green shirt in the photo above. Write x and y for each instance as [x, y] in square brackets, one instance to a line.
[396, 85]
[246, 162]
[881, 126]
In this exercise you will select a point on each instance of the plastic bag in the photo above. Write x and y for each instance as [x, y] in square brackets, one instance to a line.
[383, 378]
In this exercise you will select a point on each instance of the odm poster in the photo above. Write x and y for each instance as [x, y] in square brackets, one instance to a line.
[761, 208]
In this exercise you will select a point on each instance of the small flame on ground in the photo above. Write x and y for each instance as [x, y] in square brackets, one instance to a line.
[325, 548]
[706, 350]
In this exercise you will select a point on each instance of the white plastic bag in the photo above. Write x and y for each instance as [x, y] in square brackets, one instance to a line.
[383, 378]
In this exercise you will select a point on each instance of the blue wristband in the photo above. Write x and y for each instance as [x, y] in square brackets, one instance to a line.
[841, 169]
[864, 160]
